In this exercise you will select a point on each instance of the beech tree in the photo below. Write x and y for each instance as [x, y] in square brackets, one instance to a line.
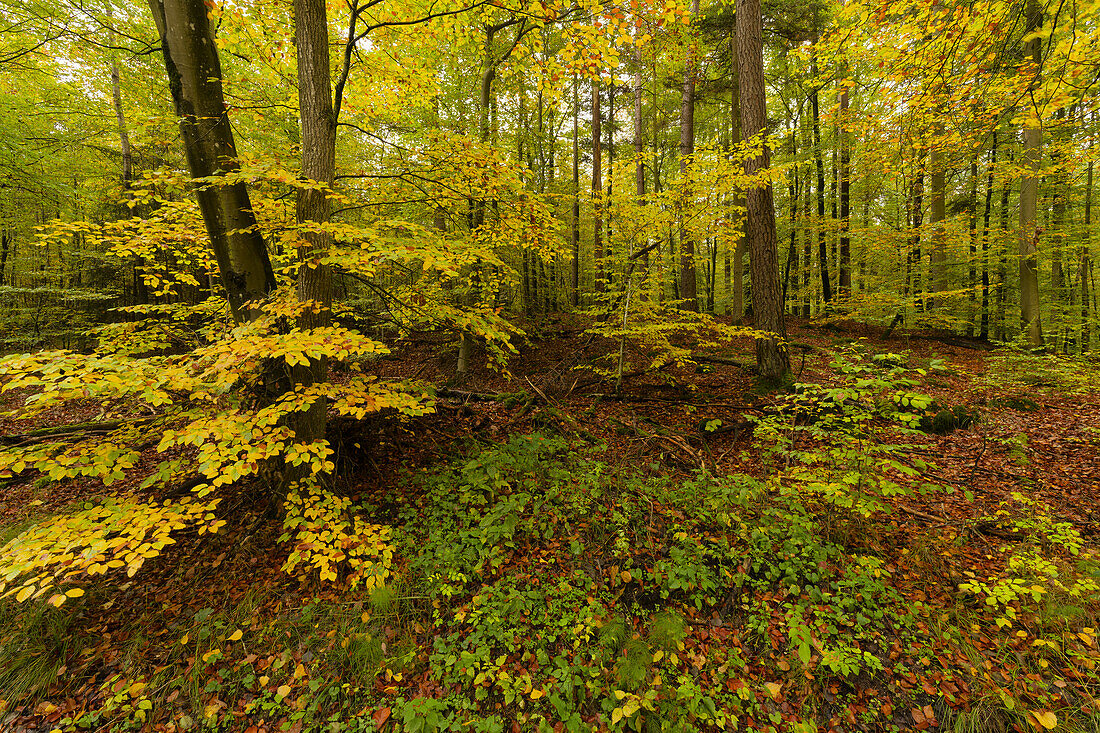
[195, 80]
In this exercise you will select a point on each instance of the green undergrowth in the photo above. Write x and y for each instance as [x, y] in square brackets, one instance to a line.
[536, 586]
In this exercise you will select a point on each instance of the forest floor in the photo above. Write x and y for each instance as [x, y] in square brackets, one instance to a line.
[694, 551]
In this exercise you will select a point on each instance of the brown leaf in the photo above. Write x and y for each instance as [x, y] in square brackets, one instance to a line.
[381, 715]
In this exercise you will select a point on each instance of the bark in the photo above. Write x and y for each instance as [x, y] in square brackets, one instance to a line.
[767, 303]
[916, 202]
[318, 121]
[819, 162]
[597, 189]
[1084, 259]
[687, 149]
[844, 267]
[574, 294]
[5, 245]
[120, 115]
[1058, 222]
[1002, 265]
[737, 299]
[639, 154]
[984, 327]
[972, 261]
[1028, 248]
[937, 216]
[194, 78]
[792, 192]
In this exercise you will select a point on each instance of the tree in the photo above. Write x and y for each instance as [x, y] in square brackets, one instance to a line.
[194, 78]
[767, 299]
[1029, 192]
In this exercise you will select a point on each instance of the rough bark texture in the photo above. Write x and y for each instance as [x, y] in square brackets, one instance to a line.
[1030, 318]
[767, 302]
[318, 122]
[937, 215]
[194, 77]
[737, 292]
[844, 267]
[575, 273]
[819, 163]
[1084, 261]
[688, 286]
[597, 190]
[983, 331]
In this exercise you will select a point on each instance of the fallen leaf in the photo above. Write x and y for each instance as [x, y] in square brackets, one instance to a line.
[1045, 718]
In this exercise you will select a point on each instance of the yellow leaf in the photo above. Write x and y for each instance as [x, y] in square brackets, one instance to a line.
[626, 576]
[24, 594]
[773, 689]
[616, 715]
[264, 680]
[236, 635]
[537, 694]
[56, 600]
[299, 672]
[74, 592]
[283, 690]
[1046, 718]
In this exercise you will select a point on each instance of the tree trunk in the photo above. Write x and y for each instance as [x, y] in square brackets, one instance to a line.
[937, 218]
[1084, 259]
[116, 101]
[195, 80]
[767, 303]
[318, 120]
[1030, 317]
[916, 199]
[737, 294]
[983, 332]
[972, 261]
[792, 249]
[639, 156]
[575, 284]
[844, 267]
[1002, 264]
[597, 189]
[819, 162]
[687, 149]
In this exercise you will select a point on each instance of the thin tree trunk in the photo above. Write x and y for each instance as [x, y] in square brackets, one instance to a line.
[575, 284]
[819, 162]
[116, 100]
[937, 218]
[792, 249]
[972, 262]
[984, 328]
[1084, 259]
[844, 268]
[597, 189]
[1002, 265]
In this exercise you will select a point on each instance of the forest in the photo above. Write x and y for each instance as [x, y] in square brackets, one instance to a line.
[549, 365]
